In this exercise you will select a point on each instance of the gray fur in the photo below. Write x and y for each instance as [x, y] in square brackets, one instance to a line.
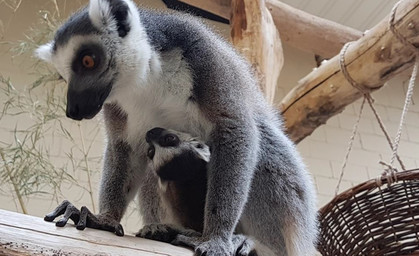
[171, 71]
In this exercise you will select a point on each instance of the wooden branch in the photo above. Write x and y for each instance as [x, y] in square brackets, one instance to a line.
[371, 61]
[27, 235]
[308, 32]
[218, 7]
[254, 34]
[300, 29]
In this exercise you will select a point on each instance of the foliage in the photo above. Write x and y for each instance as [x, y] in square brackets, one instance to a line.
[26, 161]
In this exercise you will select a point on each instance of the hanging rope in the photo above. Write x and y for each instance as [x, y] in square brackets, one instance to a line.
[349, 149]
[412, 80]
[355, 128]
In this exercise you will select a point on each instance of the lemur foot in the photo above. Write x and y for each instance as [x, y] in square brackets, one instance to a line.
[213, 247]
[165, 232]
[244, 246]
[239, 246]
[83, 218]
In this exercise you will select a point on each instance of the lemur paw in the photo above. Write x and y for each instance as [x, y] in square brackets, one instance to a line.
[83, 218]
[244, 246]
[213, 247]
[239, 246]
[164, 232]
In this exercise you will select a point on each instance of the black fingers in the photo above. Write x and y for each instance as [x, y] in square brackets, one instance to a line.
[83, 218]
[57, 211]
[88, 219]
[81, 225]
[69, 211]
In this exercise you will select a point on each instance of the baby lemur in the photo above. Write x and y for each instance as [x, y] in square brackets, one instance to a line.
[180, 162]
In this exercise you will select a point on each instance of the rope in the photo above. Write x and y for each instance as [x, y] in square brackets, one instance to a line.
[407, 102]
[390, 171]
[349, 149]
[345, 71]
[412, 80]
[396, 33]
[383, 128]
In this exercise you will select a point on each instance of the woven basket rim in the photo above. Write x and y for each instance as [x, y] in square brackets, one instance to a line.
[411, 174]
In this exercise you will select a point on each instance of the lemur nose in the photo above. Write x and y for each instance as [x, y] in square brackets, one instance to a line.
[153, 134]
[73, 112]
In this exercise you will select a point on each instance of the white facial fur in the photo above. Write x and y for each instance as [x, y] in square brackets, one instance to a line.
[157, 85]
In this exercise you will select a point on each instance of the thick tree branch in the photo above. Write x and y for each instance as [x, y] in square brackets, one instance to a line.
[371, 61]
[254, 34]
[300, 29]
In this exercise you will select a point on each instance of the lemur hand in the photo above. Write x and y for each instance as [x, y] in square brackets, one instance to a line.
[83, 218]
[165, 232]
[239, 246]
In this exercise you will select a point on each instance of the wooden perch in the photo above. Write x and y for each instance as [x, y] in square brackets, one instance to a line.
[254, 34]
[308, 32]
[370, 61]
[27, 235]
[300, 29]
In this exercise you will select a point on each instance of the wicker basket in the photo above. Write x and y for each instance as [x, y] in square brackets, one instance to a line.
[372, 219]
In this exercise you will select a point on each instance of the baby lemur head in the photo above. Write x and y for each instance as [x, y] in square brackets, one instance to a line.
[176, 156]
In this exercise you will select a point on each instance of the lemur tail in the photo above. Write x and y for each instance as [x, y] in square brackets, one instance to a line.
[301, 237]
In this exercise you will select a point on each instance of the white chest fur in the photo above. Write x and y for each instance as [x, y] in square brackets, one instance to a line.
[162, 100]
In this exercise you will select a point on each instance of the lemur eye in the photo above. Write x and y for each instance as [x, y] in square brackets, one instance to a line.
[170, 138]
[88, 61]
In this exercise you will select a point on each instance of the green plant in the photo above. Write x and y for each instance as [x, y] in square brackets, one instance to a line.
[26, 161]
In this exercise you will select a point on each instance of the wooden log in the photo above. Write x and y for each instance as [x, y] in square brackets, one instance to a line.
[27, 235]
[297, 28]
[371, 61]
[254, 34]
[217, 7]
[309, 32]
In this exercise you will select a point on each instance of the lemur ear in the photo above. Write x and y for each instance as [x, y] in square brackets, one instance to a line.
[203, 152]
[113, 14]
[44, 52]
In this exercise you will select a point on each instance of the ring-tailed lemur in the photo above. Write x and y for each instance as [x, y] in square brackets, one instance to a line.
[180, 162]
[148, 69]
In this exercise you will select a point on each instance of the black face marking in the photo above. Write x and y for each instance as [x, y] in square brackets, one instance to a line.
[120, 11]
[169, 140]
[78, 24]
[162, 137]
[87, 103]
[185, 166]
[95, 52]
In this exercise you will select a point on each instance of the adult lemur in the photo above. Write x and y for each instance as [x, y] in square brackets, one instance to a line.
[147, 69]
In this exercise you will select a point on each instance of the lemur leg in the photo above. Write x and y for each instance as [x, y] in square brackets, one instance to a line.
[230, 171]
[150, 204]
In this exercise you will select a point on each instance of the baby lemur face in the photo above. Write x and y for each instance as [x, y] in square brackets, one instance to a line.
[176, 156]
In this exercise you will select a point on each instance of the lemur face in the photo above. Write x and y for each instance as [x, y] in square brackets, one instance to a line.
[93, 51]
[175, 155]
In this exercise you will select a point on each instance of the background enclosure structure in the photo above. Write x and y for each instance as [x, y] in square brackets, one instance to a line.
[323, 151]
